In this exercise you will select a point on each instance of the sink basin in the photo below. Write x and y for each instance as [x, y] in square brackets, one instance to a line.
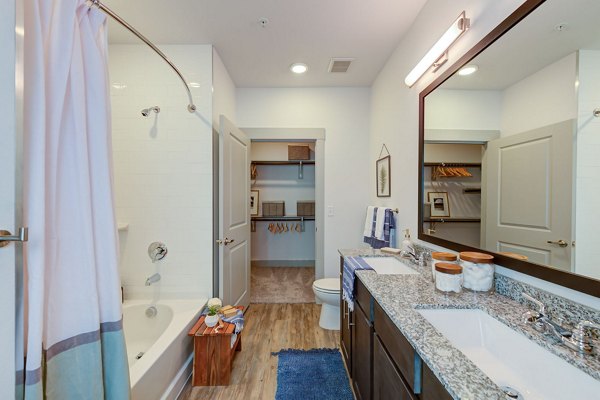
[510, 359]
[389, 266]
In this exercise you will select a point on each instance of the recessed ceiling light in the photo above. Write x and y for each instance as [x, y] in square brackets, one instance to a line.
[298, 68]
[468, 70]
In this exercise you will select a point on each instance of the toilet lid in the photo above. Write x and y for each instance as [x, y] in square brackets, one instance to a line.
[327, 285]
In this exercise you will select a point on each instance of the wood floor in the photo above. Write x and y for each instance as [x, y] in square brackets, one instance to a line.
[268, 328]
[282, 285]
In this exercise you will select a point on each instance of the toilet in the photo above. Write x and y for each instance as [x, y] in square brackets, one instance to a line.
[327, 292]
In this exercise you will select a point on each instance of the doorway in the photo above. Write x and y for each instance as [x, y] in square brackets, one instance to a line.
[282, 202]
[287, 221]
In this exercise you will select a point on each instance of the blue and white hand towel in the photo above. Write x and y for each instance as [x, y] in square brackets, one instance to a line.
[351, 264]
[383, 225]
[237, 319]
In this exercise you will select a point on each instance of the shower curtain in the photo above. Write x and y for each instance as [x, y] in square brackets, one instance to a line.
[74, 341]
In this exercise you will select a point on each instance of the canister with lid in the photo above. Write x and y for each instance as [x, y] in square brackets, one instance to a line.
[448, 277]
[478, 271]
[440, 256]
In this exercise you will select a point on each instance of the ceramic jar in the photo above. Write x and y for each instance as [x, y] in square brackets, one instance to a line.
[440, 256]
[478, 271]
[448, 277]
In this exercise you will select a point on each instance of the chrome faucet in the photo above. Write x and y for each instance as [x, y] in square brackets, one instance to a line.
[153, 279]
[577, 339]
[412, 256]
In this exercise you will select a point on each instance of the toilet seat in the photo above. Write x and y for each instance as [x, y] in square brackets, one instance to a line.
[327, 285]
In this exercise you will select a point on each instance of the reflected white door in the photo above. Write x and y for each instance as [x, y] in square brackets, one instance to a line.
[8, 153]
[529, 194]
[234, 214]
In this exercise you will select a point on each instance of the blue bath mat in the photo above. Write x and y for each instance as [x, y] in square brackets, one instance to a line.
[317, 374]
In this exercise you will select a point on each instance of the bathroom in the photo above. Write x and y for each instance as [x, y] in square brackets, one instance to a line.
[166, 170]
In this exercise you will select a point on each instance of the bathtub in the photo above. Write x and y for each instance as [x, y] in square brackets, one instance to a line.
[158, 348]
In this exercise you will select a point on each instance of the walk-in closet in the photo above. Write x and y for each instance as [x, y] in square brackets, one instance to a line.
[282, 205]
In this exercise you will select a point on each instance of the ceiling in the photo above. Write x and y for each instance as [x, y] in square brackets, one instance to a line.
[533, 44]
[308, 31]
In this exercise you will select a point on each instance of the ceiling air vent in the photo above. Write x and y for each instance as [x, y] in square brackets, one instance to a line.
[340, 64]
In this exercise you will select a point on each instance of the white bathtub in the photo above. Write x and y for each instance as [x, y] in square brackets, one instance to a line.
[166, 363]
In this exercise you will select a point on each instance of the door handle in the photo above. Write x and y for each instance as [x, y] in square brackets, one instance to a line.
[225, 241]
[560, 243]
[6, 237]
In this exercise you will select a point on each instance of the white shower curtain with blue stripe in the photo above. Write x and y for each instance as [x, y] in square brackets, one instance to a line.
[74, 341]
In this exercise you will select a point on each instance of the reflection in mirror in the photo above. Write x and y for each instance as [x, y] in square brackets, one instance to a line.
[514, 145]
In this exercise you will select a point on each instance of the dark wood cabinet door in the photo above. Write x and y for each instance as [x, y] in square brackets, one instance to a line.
[362, 351]
[432, 387]
[388, 384]
[346, 321]
[347, 318]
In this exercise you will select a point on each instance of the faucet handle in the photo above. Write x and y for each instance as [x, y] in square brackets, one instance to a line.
[580, 340]
[539, 304]
[580, 330]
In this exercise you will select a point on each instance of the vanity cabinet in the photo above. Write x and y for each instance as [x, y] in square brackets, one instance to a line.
[381, 362]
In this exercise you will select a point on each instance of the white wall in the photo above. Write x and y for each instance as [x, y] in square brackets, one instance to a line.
[588, 166]
[344, 114]
[223, 91]
[163, 168]
[395, 108]
[463, 109]
[280, 182]
[543, 98]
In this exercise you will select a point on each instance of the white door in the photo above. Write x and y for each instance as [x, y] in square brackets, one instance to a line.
[529, 194]
[8, 152]
[234, 214]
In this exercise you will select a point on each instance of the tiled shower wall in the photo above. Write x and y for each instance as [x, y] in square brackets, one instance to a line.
[163, 168]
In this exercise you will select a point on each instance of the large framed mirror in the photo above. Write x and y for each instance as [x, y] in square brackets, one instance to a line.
[509, 154]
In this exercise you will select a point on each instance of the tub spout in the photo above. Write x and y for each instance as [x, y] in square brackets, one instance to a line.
[153, 279]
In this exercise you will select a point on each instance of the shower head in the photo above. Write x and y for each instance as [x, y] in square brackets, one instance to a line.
[147, 111]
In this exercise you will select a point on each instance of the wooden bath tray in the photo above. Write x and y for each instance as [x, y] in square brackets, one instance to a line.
[213, 352]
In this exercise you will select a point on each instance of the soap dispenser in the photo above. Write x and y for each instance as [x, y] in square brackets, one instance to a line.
[407, 244]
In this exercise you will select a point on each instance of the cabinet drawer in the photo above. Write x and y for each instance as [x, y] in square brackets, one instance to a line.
[399, 349]
[363, 297]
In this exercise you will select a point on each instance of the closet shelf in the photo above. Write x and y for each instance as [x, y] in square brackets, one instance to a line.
[442, 164]
[307, 162]
[287, 218]
[452, 220]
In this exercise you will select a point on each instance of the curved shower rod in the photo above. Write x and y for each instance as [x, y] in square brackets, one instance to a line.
[96, 3]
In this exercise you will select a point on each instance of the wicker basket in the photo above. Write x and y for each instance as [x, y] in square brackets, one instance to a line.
[273, 208]
[305, 209]
[298, 152]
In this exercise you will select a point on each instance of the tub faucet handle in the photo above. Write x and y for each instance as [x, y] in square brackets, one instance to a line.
[157, 251]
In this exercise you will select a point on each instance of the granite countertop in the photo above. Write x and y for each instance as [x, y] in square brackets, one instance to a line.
[401, 296]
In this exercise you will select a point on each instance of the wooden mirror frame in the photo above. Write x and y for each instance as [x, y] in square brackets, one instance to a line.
[567, 279]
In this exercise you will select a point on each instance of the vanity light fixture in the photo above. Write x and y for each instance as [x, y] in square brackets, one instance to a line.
[298, 68]
[437, 55]
[468, 70]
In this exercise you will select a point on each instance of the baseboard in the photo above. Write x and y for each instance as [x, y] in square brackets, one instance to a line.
[178, 384]
[283, 263]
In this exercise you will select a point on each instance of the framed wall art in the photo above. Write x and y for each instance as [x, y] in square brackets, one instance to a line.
[440, 206]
